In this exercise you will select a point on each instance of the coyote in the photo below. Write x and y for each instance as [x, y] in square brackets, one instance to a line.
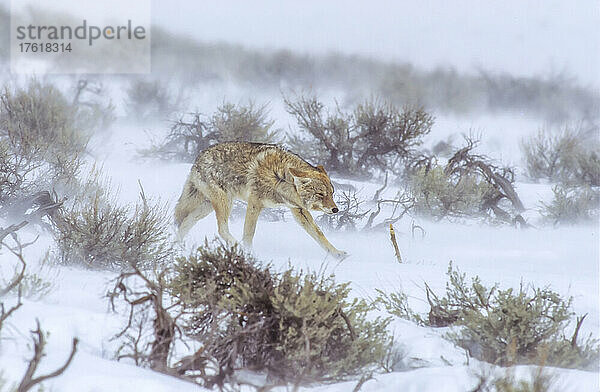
[263, 175]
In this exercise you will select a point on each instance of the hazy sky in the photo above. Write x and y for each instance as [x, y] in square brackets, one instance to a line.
[518, 36]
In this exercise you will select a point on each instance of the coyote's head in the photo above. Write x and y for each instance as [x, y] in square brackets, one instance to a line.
[315, 189]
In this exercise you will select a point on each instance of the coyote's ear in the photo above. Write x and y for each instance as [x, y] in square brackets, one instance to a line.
[300, 177]
[298, 173]
[321, 169]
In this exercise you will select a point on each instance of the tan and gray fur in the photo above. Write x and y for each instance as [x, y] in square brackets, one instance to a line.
[263, 175]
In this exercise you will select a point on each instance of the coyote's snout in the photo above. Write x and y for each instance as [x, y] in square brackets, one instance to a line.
[263, 175]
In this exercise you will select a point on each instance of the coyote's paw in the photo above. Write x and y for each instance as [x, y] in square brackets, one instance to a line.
[340, 254]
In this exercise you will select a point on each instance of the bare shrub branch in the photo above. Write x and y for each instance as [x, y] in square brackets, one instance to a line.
[29, 379]
[470, 185]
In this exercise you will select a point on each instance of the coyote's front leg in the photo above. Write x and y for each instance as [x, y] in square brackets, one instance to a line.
[252, 212]
[305, 219]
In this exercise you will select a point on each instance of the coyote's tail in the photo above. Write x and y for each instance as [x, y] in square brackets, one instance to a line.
[191, 206]
[186, 203]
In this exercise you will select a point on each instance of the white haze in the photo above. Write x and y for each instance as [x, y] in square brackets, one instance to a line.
[524, 38]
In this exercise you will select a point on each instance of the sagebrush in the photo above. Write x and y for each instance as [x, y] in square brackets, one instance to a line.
[468, 186]
[296, 326]
[194, 132]
[572, 205]
[240, 316]
[374, 136]
[39, 123]
[96, 232]
[43, 136]
[507, 326]
[569, 156]
[503, 326]
[151, 100]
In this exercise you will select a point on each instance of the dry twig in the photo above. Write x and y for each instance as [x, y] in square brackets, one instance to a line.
[395, 243]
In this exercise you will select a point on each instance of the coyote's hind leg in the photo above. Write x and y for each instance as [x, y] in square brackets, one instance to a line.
[222, 203]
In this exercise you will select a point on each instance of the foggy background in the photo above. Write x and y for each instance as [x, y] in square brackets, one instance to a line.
[525, 38]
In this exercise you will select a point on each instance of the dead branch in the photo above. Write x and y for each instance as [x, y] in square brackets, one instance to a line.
[501, 180]
[18, 278]
[4, 314]
[395, 243]
[143, 304]
[576, 332]
[362, 381]
[438, 315]
[414, 227]
[12, 229]
[39, 343]
[350, 212]
[378, 192]
[402, 200]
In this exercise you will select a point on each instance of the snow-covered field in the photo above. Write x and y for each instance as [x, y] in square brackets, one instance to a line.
[541, 38]
[565, 259]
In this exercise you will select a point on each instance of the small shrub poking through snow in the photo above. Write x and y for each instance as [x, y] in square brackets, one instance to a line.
[468, 186]
[504, 327]
[569, 156]
[396, 304]
[571, 205]
[506, 381]
[99, 233]
[297, 327]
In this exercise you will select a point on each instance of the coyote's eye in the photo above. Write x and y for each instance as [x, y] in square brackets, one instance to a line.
[320, 195]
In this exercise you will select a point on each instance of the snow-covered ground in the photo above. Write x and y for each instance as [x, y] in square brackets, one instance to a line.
[564, 259]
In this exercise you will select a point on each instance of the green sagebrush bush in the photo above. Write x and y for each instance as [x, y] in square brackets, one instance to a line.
[569, 156]
[40, 124]
[504, 327]
[510, 326]
[439, 195]
[295, 326]
[43, 136]
[468, 186]
[97, 232]
[571, 205]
